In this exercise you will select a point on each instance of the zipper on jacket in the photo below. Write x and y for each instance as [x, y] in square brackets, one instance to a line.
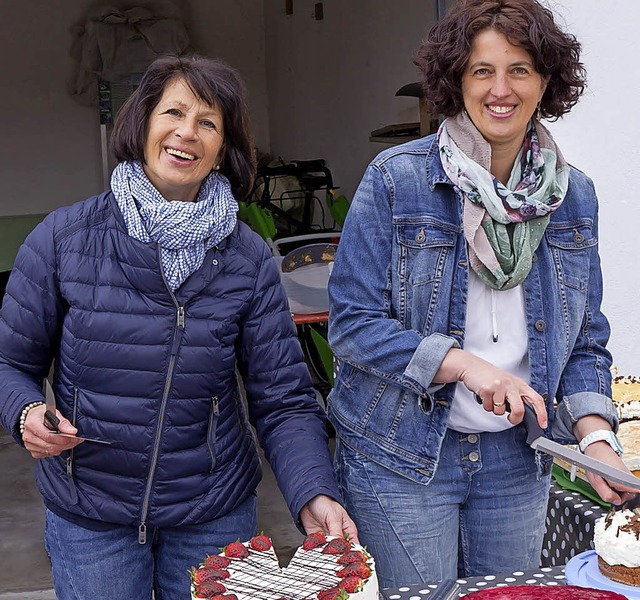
[212, 431]
[74, 416]
[177, 338]
[69, 461]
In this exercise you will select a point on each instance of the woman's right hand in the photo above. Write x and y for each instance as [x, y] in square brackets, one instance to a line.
[495, 387]
[40, 441]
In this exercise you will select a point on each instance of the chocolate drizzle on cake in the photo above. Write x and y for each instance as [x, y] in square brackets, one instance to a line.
[632, 525]
[258, 575]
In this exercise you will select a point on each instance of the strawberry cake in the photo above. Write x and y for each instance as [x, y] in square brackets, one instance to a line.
[323, 568]
[617, 543]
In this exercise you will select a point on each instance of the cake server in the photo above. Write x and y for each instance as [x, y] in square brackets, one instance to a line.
[52, 422]
[536, 439]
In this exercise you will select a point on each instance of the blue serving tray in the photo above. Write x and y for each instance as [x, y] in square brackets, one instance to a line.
[583, 570]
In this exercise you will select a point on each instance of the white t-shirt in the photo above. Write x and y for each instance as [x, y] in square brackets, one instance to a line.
[491, 314]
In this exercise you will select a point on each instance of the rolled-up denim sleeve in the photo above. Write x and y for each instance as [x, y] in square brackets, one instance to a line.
[585, 384]
[363, 330]
[574, 407]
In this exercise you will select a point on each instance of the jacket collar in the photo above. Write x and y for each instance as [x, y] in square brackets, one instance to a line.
[435, 170]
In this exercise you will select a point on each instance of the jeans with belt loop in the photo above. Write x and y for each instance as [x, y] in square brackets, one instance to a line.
[112, 565]
[483, 513]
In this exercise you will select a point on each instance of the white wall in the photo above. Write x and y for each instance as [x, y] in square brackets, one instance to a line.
[332, 82]
[599, 137]
[51, 153]
[50, 144]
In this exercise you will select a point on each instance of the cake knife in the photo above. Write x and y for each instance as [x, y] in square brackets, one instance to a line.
[536, 439]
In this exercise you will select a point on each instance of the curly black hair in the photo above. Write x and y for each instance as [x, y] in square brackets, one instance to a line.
[444, 54]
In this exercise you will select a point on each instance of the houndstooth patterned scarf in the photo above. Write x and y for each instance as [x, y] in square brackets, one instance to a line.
[183, 230]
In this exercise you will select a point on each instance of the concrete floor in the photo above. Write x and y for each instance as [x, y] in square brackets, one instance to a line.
[25, 572]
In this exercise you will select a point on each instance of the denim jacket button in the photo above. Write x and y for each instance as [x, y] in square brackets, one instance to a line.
[578, 238]
[540, 325]
[472, 438]
[474, 456]
[421, 237]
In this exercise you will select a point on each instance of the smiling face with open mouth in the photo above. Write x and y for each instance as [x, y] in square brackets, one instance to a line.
[501, 89]
[184, 141]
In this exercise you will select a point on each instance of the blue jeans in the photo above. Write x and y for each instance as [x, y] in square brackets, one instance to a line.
[112, 565]
[484, 511]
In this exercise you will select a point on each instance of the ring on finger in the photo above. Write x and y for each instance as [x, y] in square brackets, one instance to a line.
[498, 404]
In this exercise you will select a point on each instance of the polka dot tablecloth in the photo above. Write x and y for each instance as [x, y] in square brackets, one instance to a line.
[569, 525]
[549, 576]
[568, 531]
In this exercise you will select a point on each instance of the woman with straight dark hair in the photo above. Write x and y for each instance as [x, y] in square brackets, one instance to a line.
[151, 298]
[467, 284]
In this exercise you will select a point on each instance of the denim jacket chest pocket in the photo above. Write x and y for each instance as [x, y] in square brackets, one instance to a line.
[570, 244]
[425, 253]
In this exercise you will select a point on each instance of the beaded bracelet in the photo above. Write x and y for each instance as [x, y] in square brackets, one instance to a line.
[25, 412]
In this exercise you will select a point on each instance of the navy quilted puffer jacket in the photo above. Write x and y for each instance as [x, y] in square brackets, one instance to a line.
[156, 373]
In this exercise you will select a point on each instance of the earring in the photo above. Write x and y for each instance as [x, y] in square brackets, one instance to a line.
[536, 114]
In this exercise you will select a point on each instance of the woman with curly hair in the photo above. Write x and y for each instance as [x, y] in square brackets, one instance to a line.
[467, 284]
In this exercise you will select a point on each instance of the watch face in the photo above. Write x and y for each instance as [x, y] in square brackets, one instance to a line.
[615, 443]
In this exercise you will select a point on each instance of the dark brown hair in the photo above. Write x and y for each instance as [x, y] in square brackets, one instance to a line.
[216, 84]
[444, 54]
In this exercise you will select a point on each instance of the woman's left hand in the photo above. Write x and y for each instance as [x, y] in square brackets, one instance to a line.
[609, 492]
[324, 514]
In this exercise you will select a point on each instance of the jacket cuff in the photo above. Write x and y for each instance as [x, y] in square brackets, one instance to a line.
[427, 359]
[574, 407]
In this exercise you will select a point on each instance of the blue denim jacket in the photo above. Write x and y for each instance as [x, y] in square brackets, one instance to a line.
[398, 302]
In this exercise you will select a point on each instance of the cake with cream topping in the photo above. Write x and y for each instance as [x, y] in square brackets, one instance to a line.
[617, 544]
[625, 392]
[323, 568]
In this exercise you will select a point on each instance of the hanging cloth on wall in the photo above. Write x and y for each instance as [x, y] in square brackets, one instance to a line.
[113, 44]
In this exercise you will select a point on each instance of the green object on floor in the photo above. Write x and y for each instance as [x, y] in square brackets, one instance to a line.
[338, 207]
[258, 218]
[325, 353]
[578, 485]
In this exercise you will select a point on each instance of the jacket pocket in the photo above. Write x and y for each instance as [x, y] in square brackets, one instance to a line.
[569, 244]
[422, 246]
[73, 491]
[212, 431]
[423, 267]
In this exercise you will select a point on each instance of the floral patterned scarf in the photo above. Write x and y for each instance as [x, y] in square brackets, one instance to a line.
[503, 225]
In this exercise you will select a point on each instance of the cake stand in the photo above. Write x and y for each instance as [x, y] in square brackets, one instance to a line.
[583, 570]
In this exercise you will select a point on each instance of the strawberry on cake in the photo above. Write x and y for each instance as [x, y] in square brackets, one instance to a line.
[323, 568]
